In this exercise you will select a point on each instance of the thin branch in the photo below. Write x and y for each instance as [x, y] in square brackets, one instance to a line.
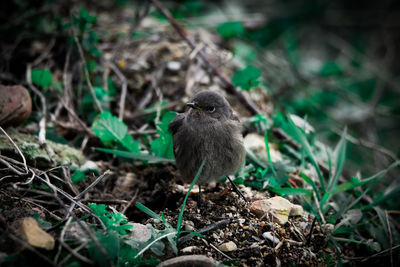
[124, 89]
[130, 201]
[76, 117]
[219, 251]
[17, 148]
[42, 122]
[87, 231]
[89, 83]
[70, 198]
[79, 196]
[75, 253]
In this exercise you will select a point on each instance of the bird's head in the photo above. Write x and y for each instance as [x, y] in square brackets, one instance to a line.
[207, 106]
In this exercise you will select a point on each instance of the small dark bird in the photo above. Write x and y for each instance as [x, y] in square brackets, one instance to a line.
[208, 131]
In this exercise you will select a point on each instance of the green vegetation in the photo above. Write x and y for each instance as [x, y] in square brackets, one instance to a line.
[340, 167]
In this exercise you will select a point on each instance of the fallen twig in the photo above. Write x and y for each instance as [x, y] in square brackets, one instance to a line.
[89, 83]
[80, 195]
[124, 89]
[42, 122]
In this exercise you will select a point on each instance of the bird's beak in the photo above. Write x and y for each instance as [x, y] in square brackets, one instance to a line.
[193, 105]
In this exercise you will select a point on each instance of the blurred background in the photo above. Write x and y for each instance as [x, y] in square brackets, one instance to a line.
[334, 63]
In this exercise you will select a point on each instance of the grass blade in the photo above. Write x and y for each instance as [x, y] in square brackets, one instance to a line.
[180, 217]
[340, 156]
[353, 184]
[307, 148]
[148, 211]
[311, 182]
[291, 191]
[269, 155]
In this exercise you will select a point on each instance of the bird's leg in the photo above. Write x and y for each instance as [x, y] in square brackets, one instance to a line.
[200, 201]
[236, 189]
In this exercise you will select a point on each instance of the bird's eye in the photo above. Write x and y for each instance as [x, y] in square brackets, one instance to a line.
[211, 109]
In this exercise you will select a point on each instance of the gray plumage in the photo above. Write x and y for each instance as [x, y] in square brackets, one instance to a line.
[207, 130]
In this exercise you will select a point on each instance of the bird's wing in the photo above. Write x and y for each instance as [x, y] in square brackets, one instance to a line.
[176, 123]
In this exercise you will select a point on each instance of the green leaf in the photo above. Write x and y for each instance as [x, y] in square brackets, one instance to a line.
[115, 220]
[108, 128]
[269, 155]
[91, 65]
[148, 211]
[104, 97]
[354, 182]
[42, 77]
[310, 182]
[110, 242]
[130, 144]
[163, 146]
[246, 78]
[230, 29]
[84, 14]
[291, 191]
[330, 69]
[78, 176]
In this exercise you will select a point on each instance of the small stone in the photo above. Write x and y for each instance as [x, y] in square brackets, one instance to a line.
[174, 65]
[270, 237]
[297, 210]
[228, 246]
[189, 226]
[190, 249]
[140, 232]
[189, 260]
[327, 228]
[74, 231]
[15, 105]
[278, 208]
[35, 236]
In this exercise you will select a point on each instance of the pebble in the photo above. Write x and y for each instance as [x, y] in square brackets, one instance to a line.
[140, 233]
[188, 260]
[174, 65]
[228, 246]
[189, 226]
[270, 236]
[35, 236]
[190, 249]
[277, 208]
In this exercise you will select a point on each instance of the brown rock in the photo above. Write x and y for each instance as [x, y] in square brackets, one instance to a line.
[10, 99]
[34, 235]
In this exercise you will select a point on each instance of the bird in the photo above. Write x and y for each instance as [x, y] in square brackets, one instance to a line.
[208, 131]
